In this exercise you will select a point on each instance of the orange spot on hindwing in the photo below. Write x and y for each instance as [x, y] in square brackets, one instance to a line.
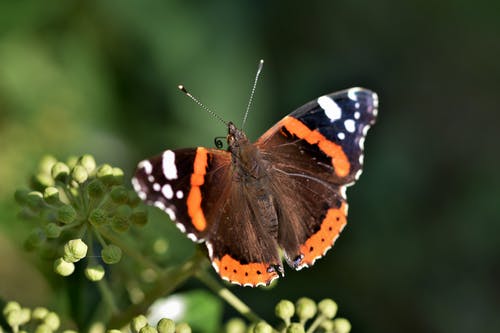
[340, 161]
[317, 244]
[251, 274]
[194, 197]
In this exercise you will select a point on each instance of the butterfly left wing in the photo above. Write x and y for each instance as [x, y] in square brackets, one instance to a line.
[315, 153]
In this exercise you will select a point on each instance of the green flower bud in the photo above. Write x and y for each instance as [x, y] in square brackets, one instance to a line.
[39, 313]
[60, 171]
[71, 161]
[328, 308]
[160, 246]
[306, 308]
[111, 254]
[118, 175]
[74, 250]
[137, 323]
[139, 216]
[43, 328]
[51, 195]
[52, 321]
[342, 325]
[235, 325]
[120, 223]
[46, 164]
[105, 173]
[284, 310]
[119, 194]
[18, 317]
[35, 200]
[133, 199]
[36, 238]
[295, 328]
[96, 188]
[182, 328]
[21, 196]
[166, 325]
[66, 214]
[98, 217]
[52, 230]
[63, 267]
[124, 211]
[79, 174]
[263, 327]
[148, 329]
[94, 272]
[88, 162]
[327, 325]
[41, 181]
[71, 331]
[11, 306]
[113, 331]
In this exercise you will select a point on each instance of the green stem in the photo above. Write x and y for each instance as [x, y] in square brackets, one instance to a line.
[166, 283]
[319, 319]
[107, 295]
[226, 295]
[131, 252]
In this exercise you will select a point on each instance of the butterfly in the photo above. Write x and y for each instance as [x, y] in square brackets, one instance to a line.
[283, 195]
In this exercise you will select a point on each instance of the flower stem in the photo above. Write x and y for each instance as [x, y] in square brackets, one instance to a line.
[319, 319]
[107, 295]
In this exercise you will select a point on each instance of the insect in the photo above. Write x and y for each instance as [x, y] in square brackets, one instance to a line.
[286, 192]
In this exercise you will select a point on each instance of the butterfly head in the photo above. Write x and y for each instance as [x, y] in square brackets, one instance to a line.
[235, 137]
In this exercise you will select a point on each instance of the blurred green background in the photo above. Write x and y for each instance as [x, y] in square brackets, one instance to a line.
[421, 251]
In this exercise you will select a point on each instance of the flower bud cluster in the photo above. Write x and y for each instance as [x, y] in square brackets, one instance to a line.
[40, 318]
[140, 325]
[304, 309]
[74, 202]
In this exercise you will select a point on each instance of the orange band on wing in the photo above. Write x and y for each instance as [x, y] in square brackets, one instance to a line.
[194, 197]
[340, 161]
[244, 274]
[323, 239]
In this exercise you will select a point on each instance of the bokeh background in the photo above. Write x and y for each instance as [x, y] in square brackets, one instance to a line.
[421, 252]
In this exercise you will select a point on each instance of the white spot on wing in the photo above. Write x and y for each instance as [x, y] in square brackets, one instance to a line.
[151, 178]
[332, 110]
[167, 191]
[342, 192]
[179, 194]
[350, 125]
[136, 185]
[156, 187]
[362, 142]
[351, 93]
[169, 168]
[357, 115]
[341, 135]
[146, 165]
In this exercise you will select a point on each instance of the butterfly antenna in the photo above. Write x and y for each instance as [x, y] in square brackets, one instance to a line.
[188, 94]
[257, 75]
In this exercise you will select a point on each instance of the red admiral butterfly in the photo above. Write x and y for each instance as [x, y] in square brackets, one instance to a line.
[286, 191]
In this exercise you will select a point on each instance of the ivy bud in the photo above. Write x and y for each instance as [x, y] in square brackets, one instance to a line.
[235, 325]
[120, 223]
[79, 174]
[148, 329]
[46, 164]
[94, 272]
[165, 325]
[63, 267]
[306, 308]
[43, 328]
[41, 181]
[66, 214]
[98, 217]
[342, 325]
[35, 200]
[111, 254]
[96, 188]
[284, 310]
[328, 308]
[327, 325]
[263, 327]
[11, 306]
[139, 216]
[182, 328]
[119, 194]
[52, 230]
[21, 196]
[113, 331]
[88, 162]
[117, 176]
[74, 250]
[133, 199]
[51, 195]
[60, 171]
[295, 328]
[71, 161]
[105, 174]
[137, 323]
[39, 313]
[18, 317]
[52, 321]
[36, 238]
